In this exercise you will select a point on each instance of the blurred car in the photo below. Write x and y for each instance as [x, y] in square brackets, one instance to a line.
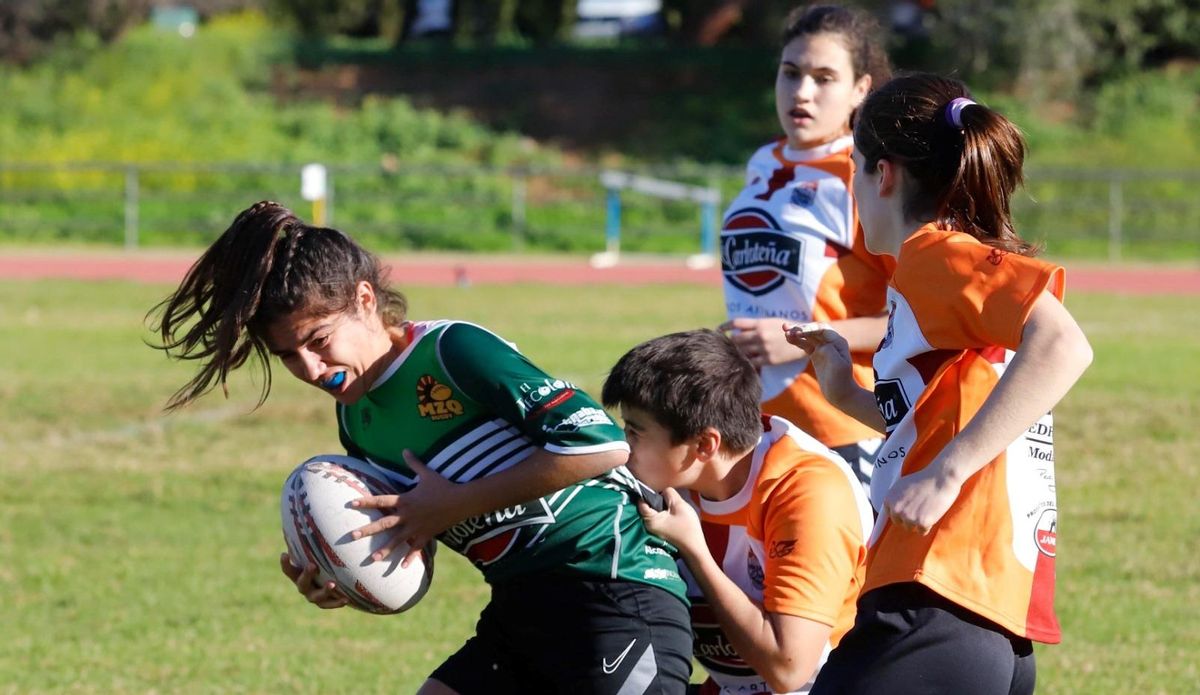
[617, 18]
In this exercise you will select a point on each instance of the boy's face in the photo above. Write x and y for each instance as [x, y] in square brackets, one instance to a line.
[652, 457]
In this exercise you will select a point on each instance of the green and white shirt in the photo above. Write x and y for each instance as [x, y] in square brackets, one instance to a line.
[469, 405]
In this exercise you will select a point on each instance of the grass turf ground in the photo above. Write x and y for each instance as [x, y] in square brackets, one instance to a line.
[138, 552]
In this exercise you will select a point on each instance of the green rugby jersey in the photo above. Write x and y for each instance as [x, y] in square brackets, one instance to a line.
[468, 404]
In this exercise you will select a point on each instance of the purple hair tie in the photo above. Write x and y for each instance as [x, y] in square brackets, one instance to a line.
[954, 111]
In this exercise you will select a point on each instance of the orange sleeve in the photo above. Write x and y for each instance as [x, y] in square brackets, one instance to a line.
[812, 540]
[969, 295]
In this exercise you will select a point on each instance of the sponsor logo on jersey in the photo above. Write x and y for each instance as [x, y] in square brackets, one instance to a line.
[537, 398]
[890, 334]
[486, 538]
[892, 401]
[755, 258]
[890, 456]
[755, 570]
[1045, 534]
[1040, 440]
[660, 574]
[711, 647]
[584, 417]
[781, 549]
[435, 400]
[804, 193]
[709, 643]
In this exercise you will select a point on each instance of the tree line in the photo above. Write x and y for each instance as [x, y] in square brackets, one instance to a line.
[1052, 47]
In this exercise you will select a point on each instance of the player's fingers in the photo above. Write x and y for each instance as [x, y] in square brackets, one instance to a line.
[739, 324]
[815, 332]
[285, 564]
[901, 521]
[331, 603]
[799, 338]
[327, 596]
[377, 526]
[414, 553]
[304, 581]
[645, 511]
[375, 502]
[386, 550]
[672, 499]
[417, 465]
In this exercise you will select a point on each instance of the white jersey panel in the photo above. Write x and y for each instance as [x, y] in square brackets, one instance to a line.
[774, 241]
[898, 386]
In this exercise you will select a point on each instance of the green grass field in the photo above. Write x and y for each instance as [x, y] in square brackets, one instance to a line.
[139, 552]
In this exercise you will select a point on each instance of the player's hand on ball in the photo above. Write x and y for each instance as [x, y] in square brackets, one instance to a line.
[416, 517]
[677, 523]
[324, 596]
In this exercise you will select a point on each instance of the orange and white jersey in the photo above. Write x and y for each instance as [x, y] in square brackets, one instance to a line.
[793, 539]
[958, 308]
[792, 248]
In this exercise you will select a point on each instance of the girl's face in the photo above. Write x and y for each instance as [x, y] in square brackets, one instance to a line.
[341, 353]
[815, 90]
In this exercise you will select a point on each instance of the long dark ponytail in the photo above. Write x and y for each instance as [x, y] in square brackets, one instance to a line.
[267, 265]
[964, 159]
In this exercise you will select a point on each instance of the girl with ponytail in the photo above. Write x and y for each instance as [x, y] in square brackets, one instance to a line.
[483, 443]
[978, 349]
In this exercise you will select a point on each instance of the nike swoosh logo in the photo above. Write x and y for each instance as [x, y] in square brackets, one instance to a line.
[609, 669]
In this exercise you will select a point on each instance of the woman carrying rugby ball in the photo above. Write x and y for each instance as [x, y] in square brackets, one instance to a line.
[519, 471]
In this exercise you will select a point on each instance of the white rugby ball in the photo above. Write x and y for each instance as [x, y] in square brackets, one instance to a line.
[318, 519]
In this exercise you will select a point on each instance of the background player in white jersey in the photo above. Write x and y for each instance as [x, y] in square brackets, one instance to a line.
[791, 244]
[523, 472]
[960, 573]
[778, 550]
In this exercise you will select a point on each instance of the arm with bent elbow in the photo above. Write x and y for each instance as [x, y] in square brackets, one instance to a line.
[1052, 356]
[784, 650]
[435, 503]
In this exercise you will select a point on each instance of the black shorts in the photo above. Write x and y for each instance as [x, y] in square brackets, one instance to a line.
[564, 635]
[908, 639]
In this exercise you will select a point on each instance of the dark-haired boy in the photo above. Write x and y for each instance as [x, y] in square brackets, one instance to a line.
[777, 550]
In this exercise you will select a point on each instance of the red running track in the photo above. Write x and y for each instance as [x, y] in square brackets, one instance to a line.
[444, 270]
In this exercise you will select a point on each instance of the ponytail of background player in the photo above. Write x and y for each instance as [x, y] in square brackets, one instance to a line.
[792, 248]
[979, 348]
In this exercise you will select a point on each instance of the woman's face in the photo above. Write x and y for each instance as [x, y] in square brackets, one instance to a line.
[815, 90]
[341, 353]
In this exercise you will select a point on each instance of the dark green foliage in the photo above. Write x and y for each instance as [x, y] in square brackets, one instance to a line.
[29, 27]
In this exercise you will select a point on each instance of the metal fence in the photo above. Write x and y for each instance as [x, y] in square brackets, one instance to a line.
[1102, 214]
